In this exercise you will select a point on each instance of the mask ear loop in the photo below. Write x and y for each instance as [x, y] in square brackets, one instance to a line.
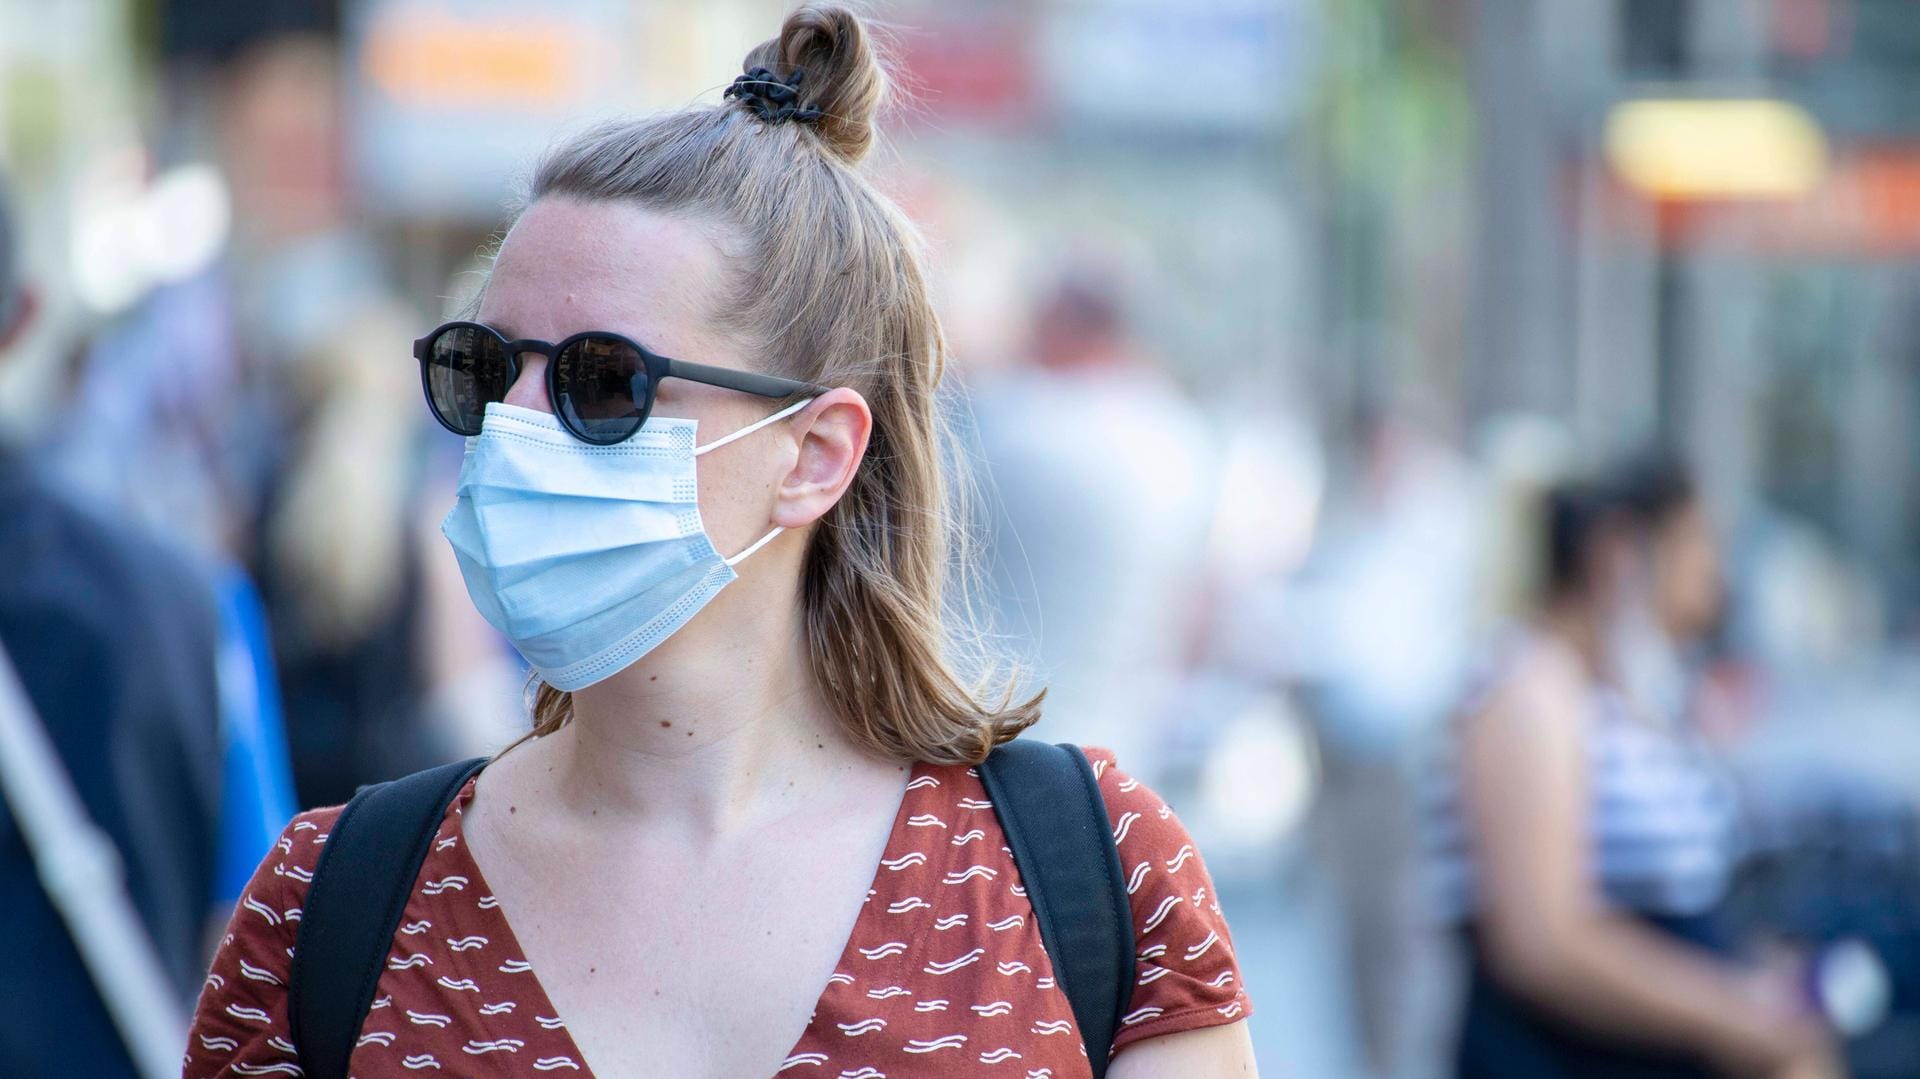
[752, 427]
[757, 544]
[742, 433]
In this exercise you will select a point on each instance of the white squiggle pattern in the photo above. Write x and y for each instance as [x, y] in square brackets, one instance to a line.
[1212, 938]
[865, 1026]
[272, 916]
[1057, 1026]
[435, 887]
[251, 1015]
[955, 964]
[1160, 915]
[280, 1068]
[972, 872]
[258, 974]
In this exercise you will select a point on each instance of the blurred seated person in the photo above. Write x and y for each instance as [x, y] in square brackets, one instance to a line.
[1583, 836]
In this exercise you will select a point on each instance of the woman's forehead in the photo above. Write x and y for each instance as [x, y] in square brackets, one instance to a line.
[569, 265]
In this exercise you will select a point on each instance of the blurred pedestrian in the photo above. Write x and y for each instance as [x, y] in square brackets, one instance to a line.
[1583, 834]
[734, 796]
[114, 638]
[1100, 481]
[333, 529]
[1380, 622]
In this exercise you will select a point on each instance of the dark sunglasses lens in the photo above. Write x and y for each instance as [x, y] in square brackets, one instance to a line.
[466, 370]
[600, 389]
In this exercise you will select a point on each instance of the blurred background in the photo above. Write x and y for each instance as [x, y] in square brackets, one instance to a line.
[1272, 321]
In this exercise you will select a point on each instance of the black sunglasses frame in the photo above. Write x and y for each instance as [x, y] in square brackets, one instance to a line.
[657, 368]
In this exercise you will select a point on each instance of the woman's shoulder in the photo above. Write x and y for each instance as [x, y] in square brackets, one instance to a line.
[1534, 681]
[282, 878]
[240, 1021]
[1186, 974]
[1143, 822]
[269, 907]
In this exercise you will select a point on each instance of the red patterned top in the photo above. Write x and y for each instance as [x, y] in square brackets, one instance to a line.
[945, 972]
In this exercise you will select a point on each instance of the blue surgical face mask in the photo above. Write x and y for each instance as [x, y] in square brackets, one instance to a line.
[586, 557]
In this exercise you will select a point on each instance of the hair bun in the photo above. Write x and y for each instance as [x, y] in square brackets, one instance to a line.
[843, 78]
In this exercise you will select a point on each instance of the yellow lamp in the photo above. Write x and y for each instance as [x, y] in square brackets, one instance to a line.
[1716, 149]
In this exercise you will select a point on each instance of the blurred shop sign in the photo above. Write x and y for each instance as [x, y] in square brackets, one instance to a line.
[970, 67]
[1231, 65]
[434, 60]
[1868, 205]
[1716, 149]
[452, 100]
[448, 99]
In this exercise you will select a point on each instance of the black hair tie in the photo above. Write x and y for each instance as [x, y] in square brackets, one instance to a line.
[772, 98]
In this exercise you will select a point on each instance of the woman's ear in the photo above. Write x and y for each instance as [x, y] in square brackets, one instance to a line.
[833, 433]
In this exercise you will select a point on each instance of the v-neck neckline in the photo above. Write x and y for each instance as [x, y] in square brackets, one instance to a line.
[470, 866]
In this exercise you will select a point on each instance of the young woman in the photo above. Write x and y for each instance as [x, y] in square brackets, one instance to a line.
[1584, 838]
[744, 837]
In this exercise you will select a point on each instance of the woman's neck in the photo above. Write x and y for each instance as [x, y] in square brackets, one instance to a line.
[1578, 625]
[717, 728]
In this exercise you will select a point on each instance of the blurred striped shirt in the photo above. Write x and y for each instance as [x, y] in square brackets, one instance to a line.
[1663, 818]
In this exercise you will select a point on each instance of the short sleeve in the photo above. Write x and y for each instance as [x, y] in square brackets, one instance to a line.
[1186, 976]
[240, 1025]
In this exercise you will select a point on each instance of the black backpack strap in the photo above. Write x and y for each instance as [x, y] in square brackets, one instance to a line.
[1050, 808]
[358, 895]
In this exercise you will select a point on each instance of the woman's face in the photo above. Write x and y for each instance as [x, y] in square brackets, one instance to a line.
[570, 265]
[1686, 572]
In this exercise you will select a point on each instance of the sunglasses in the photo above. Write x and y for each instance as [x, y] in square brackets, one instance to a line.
[601, 384]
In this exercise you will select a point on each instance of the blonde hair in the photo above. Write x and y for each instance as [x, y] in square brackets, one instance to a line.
[833, 287]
